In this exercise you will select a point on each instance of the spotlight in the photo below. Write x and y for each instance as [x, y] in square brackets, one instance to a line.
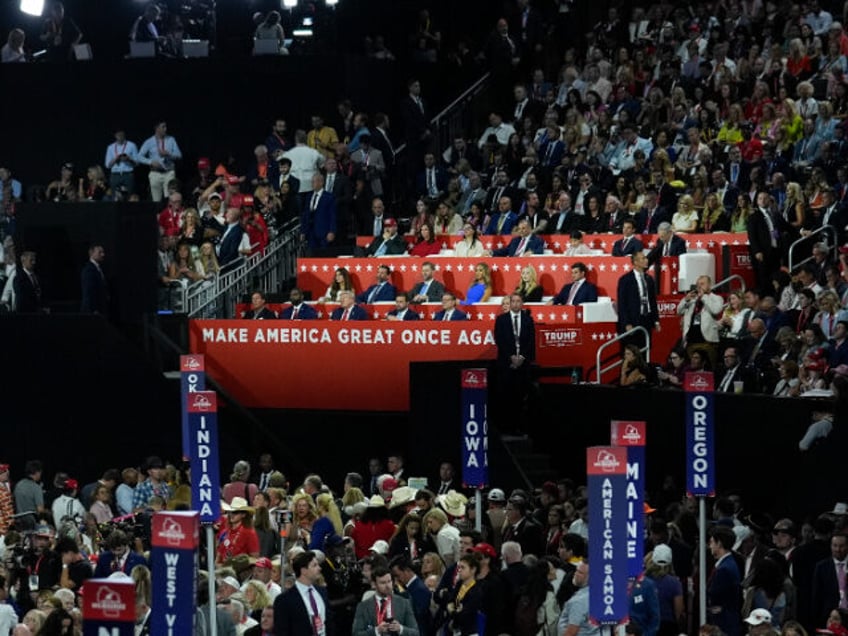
[331, 3]
[307, 21]
[302, 33]
[289, 4]
[32, 7]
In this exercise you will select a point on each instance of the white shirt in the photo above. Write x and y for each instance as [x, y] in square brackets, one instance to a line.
[502, 132]
[305, 163]
[319, 601]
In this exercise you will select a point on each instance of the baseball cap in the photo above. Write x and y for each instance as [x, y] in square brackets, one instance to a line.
[203, 163]
[233, 180]
[263, 562]
[389, 223]
[485, 549]
[247, 201]
[758, 617]
[231, 581]
[215, 195]
[661, 554]
[380, 547]
[496, 494]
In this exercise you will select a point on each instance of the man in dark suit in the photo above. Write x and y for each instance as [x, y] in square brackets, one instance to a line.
[521, 527]
[429, 290]
[515, 337]
[348, 309]
[431, 182]
[668, 245]
[26, 286]
[229, 249]
[724, 590]
[415, 123]
[525, 243]
[303, 610]
[578, 291]
[803, 562]
[402, 310]
[564, 220]
[259, 308]
[734, 371]
[651, 215]
[95, 291]
[764, 229]
[500, 188]
[318, 217]
[384, 612]
[298, 310]
[629, 244]
[340, 187]
[503, 220]
[449, 310]
[418, 593]
[381, 291]
[637, 298]
[389, 244]
[284, 168]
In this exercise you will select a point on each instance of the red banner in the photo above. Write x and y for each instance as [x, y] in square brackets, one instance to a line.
[321, 364]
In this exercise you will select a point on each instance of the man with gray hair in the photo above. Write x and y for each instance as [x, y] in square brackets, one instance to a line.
[242, 620]
[574, 619]
[668, 245]
[514, 576]
[348, 309]
[699, 309]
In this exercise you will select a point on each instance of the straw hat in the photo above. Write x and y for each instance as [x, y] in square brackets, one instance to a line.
[453, 503]
[238, 504]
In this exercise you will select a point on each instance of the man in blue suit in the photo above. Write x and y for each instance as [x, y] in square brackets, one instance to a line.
[304, 609]
[525, 243]
[318, 217]
[231, 245]
[449, 310]
[417, 592]
[724, 590]
[402, 310]
[629, 244]
[298, 310]
[636, 301]
[348, 310]
[578, 291]
[503, 220]
[432, 182]
[381, 291]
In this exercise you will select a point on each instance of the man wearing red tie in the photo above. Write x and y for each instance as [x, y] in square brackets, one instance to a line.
[384, 613]
[524, 244]
[298, 310]
[348, 310]
[304, 609]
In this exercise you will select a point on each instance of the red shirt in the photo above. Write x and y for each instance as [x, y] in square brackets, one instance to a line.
[170, 221]
[239, 541]
[423, 248]
[257, 231]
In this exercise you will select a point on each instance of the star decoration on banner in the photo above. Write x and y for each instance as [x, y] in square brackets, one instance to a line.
[392, 267]
[723, 243]
[736, 242]
[461, 267]
[688, 244]
[403, 268]
[500, 245]
[711, 244]
[488, 245]
[325, 268]
[414, 268]
[552, 316]
[541, 267]
[626, 267]
[506, 267]
[564, 315]
[540, 316]
[376, 315]
[303, 268]
[320, 314]
[674, 279]
[432, 315]
[603, 245]
[479, 316]
[699, 244]
[448, 267]
[602, 267]
[557, 245]
[664, 267]
[610, 336]
[545, 244]
[674, 265]
[579, 313]
[652, 244]
[495, 267]
[613, 267]
[314, 268]
[437, 266]
[594, 336]
[553, 267]
[369, 268]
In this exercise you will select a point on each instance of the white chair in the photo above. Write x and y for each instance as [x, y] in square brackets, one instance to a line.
[691, 266]
[600, 311]
[142, 49]
[266, 47]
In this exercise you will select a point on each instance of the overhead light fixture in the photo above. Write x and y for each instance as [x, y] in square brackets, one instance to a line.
[302, 33]
[331, 3]
[32, 7]
[307, 21]
[289, 4]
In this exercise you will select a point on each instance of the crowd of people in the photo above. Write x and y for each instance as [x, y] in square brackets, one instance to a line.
[379, 554]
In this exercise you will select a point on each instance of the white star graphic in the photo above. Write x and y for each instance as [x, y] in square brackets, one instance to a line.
[414, 268]
[590, 267]
[553, 267]
[674, 265]
[603, 245]
[651, 244]
[500, 245]
[403, 268]
[495, 267]
[602, 267]
[711, 244]
[320, 314]
[626, 267]
[736, 242]
[448, 267]
[664, 267]
[461, 267]
[488, 245]
[479, 316]
[314, 268]
[594, 336]
[542, 267]
[557, 244]
[506, 267]
[540, 316]
[491, 316]
[552, 316]
[565, 316]
[699, 244]
[303, 268]
[688, 244]
[358, 268]
[613, 267]
[610, 336]
[325, 268]
[376, 315]
[723, 243]
[674, 279]
[369, 268]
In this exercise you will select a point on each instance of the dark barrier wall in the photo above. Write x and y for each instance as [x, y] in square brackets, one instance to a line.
[61, 233]
[80, 397]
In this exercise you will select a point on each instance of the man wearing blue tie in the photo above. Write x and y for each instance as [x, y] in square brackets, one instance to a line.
[390, 243]
[525, 243]
[449, 310]
[429, 290]
[381, 291]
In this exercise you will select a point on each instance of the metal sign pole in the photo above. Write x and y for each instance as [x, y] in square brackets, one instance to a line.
[210, 558]
[702, 559]
[478, 510]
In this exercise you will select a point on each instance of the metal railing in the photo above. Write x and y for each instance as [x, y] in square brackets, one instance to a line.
[646, 351]
[453, 120]
[216, 298]
[725, 281]
[828, 229]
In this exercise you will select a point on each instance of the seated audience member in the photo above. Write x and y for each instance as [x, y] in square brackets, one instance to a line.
[449, 310]
[298, 310]
[629, 243]
[258, 308]
[429, 290]
[523, 244]
[348, 310]
[529, 288]
[481, 285]
[503, 220]
[389, 244]
[426, 245]
[633, 368]
[381, 291]
[402, 310]
[341, 282]
[578, 291]
[576, 246]
[470, 244]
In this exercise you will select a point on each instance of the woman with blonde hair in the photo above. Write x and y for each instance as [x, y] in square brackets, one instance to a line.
[304, 515]
[528, 288]
[829, 307]
[34, 621]
[431, 563]
[714, 218]
[686, 217]
[327, 529]
[256, 596]
[207, 261]
[791, 122]
[794, 207]
[192, 230]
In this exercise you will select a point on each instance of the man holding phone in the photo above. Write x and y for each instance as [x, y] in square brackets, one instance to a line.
[701, 310]
[384, 613]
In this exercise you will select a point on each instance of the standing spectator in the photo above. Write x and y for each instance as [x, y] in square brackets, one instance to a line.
[160, 152]
[121, 158]
[271, 29]
[13, 50]
[305, 162]
[7, 509]
[29, 495]
[153, 486]
[515, 337]
[95, 290]
[26, 286]
[124, 492]
[724, 592]
[637, 298]
[318, 219]
[60, 34]
[416, 126]
[322, 138]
